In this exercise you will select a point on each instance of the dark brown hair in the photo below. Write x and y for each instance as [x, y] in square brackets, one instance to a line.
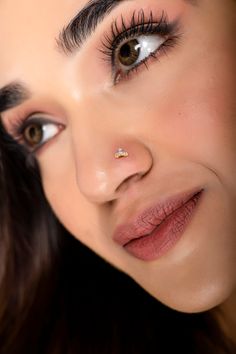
[57, 297]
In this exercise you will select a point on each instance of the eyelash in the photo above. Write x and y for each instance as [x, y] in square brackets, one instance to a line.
[138, 25]
[18, 127]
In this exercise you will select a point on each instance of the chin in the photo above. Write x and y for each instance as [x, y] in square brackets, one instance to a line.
[195, 300]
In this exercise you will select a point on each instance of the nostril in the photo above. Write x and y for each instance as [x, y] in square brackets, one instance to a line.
[129, 180]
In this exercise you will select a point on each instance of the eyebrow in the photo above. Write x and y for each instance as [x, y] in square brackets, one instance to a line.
[73, 36]
[13, 95]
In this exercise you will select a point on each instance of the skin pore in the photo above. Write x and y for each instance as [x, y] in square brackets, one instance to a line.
[176, 120]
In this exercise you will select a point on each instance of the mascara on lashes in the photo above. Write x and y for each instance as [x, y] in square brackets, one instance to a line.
[139, 24]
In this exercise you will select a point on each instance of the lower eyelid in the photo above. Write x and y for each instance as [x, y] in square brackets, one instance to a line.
[151, 59]
[163, 28]
[16, 131]
[38, 148]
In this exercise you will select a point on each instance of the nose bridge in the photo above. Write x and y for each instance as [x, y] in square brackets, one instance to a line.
[96, 137]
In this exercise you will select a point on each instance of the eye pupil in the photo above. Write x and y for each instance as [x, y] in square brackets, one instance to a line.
[129, 52]
[33, 134]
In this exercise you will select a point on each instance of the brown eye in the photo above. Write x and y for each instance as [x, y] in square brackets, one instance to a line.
[38, 132]
[129, 52]
[135, 52]
[33, 134]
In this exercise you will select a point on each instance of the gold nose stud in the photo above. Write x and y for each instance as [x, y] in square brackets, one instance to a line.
[121, 153]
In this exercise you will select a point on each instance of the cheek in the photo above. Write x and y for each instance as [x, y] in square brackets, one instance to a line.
[205, 125]
[59, 184]
[201, 120]
[192, 109]
[73, 211]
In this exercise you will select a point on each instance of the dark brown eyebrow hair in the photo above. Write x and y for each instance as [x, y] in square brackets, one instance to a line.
[71, 38]
[13, 95]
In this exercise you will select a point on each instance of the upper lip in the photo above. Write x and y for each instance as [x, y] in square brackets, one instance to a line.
[150, 218]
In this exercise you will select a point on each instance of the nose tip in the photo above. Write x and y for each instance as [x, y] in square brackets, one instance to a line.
[106, 176]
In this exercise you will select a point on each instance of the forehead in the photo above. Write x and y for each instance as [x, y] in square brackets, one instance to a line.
[12, 12]
[27, 26]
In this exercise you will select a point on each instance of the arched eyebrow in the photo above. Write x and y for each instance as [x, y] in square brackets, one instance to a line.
[75, 34]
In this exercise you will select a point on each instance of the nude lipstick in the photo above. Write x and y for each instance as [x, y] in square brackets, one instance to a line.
[158, 228]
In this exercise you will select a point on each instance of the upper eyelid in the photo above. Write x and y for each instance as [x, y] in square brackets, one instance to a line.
[81, 30]
[39, 105]
[14, 126]
[138, 19]
[37, 119]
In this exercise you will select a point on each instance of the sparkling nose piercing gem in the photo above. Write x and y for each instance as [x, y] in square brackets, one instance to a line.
[121, 153]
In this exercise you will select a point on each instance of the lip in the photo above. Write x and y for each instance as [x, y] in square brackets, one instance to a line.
[158, 228]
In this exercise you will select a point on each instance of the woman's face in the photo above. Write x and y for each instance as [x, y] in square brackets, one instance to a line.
[177, 121]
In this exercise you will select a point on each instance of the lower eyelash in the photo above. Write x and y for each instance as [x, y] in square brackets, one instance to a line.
[138, 25]
[170, 43]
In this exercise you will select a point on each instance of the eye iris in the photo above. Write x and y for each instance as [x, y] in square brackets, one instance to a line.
[129, 52]
[33, 134]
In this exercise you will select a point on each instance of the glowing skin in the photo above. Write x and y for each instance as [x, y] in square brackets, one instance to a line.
[177, 120]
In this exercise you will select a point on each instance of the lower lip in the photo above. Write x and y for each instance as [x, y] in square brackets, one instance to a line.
[166, 235]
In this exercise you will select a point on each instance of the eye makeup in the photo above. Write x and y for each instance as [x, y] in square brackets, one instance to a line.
[129, 36]
[33, 132]
[138, 25]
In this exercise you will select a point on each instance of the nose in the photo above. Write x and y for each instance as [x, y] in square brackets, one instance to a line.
[101, 175]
